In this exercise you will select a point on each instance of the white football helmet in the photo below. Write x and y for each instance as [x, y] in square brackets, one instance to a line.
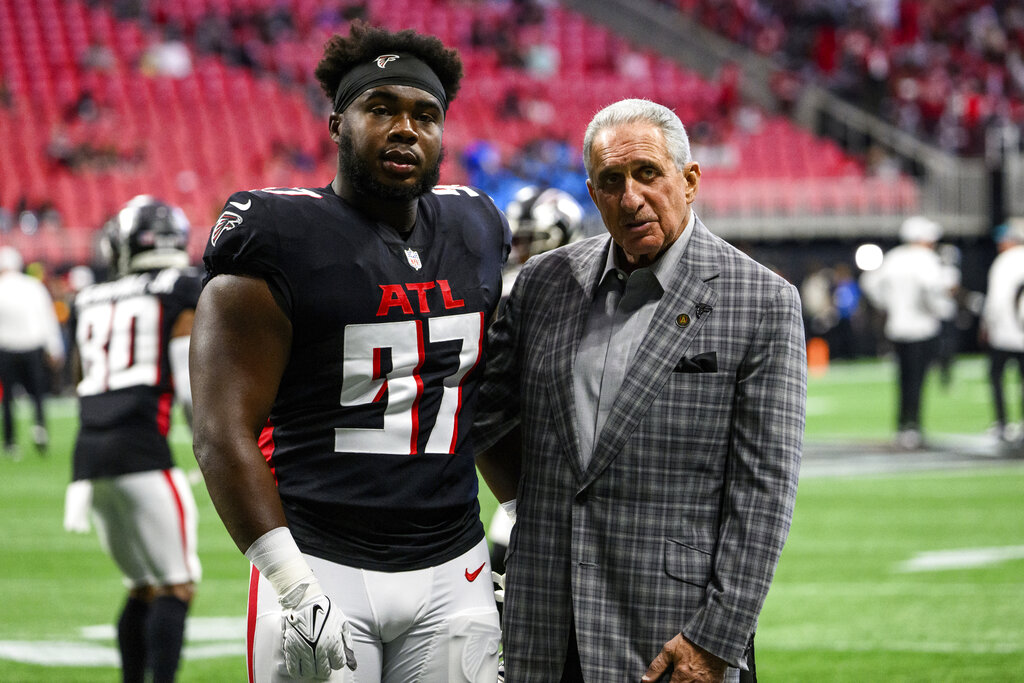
[542, 220]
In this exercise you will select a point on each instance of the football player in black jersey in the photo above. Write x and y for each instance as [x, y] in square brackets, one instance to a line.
[335, 363]
[132, 336]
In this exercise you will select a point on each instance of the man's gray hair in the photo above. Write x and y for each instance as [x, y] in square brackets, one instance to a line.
[629, 111]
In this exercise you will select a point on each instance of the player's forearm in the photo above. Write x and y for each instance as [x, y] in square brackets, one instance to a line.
[239, 347]
[501, 464]
[241, 486]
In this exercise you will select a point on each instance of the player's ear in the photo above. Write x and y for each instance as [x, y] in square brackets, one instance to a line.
[334, 125]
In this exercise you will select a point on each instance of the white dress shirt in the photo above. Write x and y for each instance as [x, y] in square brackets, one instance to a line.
[619, 317]
[914, 288]
[27, 318]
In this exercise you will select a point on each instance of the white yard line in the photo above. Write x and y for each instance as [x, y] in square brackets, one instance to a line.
[208, 638]
[962, 558]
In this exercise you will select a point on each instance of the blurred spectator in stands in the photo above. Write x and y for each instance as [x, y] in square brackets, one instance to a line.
[97, 57]
[511, 106]
[541, 59]
[6, 95]
[728, 96]
[85, 108]
[30, 343]
[880, 164]
[213, 34]
[1002, 330]
[497, 33]
[634, 65]
[49, 216]
[786, 86]
[333, 14]
[528, 12]
[168, 57]
[60, 149]
[913, 289]
[936, 69]
[31, 215]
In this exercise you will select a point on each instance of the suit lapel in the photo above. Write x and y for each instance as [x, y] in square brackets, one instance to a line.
[567, 319]
[664, 343]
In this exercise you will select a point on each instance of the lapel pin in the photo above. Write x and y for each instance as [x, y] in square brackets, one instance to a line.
[682, 320]
[702, 309]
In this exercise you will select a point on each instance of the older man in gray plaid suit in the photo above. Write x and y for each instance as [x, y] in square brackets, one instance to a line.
[644, 403]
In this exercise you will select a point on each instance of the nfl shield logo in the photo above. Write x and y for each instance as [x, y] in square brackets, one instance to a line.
[413, 257]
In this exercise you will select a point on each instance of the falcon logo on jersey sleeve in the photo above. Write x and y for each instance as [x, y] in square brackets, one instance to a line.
[229, 220]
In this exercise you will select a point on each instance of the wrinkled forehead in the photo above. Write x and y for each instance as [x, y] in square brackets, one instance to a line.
[628, 144]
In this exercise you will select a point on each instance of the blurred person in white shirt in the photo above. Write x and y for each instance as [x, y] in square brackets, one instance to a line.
[1002, 327]
[914, 289]
[30, 339]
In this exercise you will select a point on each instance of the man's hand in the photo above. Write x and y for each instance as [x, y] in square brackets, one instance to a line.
[687, 662]
[316, 636]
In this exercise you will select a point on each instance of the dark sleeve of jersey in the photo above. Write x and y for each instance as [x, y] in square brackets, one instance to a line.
[244, 241]
[506, 238]
[188, 288]
[506, 231]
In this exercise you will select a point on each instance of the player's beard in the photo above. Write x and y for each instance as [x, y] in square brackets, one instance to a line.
[360, 176]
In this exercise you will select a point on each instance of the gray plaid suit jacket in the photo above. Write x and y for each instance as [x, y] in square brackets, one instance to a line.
[678, 522]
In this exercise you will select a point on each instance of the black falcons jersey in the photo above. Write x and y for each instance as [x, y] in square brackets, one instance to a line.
[368, 434]
[122, 330]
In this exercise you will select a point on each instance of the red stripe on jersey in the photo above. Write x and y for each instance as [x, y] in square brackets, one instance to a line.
[182, 527]
[106, 349]
[419, 390]
[250, 620]
[159, 347]
[163, 413]
[458, 407]
[131, 346]
[377, 375]
[267, 446]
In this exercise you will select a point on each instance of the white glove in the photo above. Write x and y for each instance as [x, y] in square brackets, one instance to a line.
[499, 581]
[316, 637]
[77, 503]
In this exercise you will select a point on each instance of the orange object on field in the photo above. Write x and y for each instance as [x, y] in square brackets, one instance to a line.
[817, 356]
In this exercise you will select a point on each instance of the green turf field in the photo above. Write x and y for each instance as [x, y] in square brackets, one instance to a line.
[860, 594]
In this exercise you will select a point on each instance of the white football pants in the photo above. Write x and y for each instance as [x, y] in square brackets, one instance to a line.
[434, 625]
[147, 522]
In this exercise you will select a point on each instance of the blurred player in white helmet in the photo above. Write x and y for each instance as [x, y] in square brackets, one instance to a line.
[541, 220]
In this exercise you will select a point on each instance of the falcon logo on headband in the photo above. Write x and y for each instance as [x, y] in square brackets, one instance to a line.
[383, 60]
